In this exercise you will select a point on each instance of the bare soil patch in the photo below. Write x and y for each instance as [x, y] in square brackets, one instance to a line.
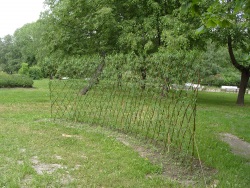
[238, 146]
[198, 175]
[171, 168]
[42, 168]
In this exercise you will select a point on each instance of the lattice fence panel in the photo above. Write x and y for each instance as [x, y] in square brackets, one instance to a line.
[153, 109]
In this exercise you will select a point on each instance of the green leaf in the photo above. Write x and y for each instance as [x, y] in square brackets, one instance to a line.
[200, 30]
[195, 9]
[210, 23]
[195, 1]
[186, 7]
[224, 23]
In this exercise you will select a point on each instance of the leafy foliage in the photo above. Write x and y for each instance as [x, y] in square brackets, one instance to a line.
[75, 34]
[24, 70]
[9, 55]
[227, 22]
[35, 72]
[15, 80]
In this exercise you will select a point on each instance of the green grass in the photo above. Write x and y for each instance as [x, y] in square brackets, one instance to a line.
[86, 157]
[144, 113]
[89, 157]
[226, 115]
[218, 113]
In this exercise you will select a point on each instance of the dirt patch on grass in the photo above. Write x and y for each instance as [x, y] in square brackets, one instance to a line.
[238, 146]
[2, 108]
[42, 168]
[197, 176]
[173, 169]
[71, 136]
[25, 183]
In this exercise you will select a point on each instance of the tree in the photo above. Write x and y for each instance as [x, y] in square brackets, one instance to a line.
[136, 29]
[151, 27]
[10, 55]
[227, 23]
[215, 66]
[81, 27]
[26, 40]
[23, 46]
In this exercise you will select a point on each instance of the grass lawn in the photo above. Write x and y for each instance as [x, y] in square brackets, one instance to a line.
[36, 152]
[218, 113]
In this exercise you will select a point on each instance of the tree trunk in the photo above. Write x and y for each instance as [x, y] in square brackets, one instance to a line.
[243, 85]
[245, 73]
[143, 76]
[95, 78]
[165, 86]
[158, 30]
[119, 77]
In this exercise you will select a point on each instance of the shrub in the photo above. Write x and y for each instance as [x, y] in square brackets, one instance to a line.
[35, 73]
[24, 70]
[15, 80]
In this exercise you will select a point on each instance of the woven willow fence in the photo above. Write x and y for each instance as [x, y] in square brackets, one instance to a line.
[154, 109]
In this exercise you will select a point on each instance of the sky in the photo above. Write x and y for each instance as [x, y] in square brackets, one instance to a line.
[15, 13]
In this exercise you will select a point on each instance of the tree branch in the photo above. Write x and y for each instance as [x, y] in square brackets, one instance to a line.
[95, 78]
[232, 57]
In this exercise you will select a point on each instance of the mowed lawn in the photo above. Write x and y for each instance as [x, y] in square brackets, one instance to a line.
[37, 152]
[217, 113]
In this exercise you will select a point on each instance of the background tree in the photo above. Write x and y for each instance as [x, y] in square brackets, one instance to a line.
[9, 55]
[81, 27]
[27, 41]
[23, 46]
[227, 23]
[215, 67]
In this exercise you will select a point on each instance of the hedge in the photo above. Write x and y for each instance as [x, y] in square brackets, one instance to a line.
[15, 80]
